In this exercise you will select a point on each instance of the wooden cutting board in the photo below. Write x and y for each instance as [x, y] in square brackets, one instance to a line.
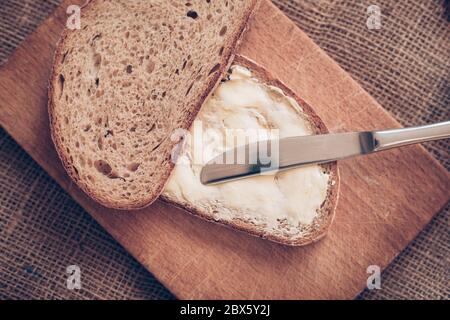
[385, 199]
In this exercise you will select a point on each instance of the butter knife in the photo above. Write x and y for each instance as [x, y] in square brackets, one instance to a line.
[294, 152]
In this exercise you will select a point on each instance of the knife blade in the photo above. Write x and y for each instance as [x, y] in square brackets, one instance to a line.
[293, 152]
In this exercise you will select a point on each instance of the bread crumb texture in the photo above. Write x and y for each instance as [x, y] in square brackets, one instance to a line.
[136, 71]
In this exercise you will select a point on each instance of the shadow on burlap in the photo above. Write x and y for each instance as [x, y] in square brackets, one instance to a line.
[405, 65]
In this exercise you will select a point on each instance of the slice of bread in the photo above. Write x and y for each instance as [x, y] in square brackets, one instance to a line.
[136, 71]
[295, 207]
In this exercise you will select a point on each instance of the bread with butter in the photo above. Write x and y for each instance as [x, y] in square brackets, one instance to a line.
[294, 207]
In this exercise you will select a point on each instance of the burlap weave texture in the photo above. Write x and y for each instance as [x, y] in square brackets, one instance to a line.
[405, 65]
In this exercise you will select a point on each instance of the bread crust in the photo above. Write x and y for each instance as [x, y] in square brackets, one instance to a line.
[324, 219]
[125, 204]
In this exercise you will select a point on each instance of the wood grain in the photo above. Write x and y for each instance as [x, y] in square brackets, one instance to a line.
[385, 200]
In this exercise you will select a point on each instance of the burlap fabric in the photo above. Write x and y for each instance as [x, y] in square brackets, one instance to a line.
[405, 65]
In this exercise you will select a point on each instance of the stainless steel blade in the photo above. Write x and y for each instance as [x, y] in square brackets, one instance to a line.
[300, 151]
[293, 152]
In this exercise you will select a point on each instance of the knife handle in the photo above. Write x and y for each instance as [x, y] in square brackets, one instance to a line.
[388, 139]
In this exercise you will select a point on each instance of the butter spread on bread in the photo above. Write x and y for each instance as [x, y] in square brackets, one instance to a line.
[288, 206]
